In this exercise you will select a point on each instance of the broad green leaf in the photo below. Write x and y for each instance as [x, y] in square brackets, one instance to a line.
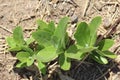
[98, 58]
[82, 34]
[60, 31]
[110, 54]
[18, 36]
[86, 49]
[63, 44]
[38, 48]
[47, 54]
[23, 56]
[45, 29]
[64, 62]
[11, 42]
[21, 65]
[60, 34]
[42, 67]
[55, 41]
[60, 44]
[78, 55]
[30, 61]
[72, 49]
[77, 52]
[41, 24]
[89, 49]
[76, 48]
[29, 40]
[42, 37]
[106, 54]
[67, 41]
[94, 24]
[105, 44]
[27, 49]
[17, 48]
[74, 53]
[51, 27]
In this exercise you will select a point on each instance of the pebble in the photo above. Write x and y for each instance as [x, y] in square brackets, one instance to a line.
[106, 22]
[74, 19]
[98, 5]
[117, 60]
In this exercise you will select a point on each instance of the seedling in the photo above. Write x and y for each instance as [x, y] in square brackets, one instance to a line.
[25, 54]
[54, 40]
[86, 37]
[53, 43]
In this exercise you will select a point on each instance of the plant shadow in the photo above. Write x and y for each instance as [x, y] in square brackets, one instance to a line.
[90, 70]
[29, 73]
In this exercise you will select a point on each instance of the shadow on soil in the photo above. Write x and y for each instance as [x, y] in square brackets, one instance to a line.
[88, 70]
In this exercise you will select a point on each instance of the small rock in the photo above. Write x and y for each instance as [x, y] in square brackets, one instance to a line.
[98, 5]
[117, 60]
[106, 22]
[1, 16]
[74, 19]
[114, 76]
[54, 1]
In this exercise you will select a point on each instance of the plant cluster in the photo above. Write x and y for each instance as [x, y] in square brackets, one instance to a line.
[53, 43]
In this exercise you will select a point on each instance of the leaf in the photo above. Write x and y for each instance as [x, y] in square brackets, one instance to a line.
[23, 56]
[60, 34]
[60, 31]
[63, 44]
[98, 58]
[29, 40]
[47, 54]
[11, 42]
[60, 45]
[64, 62]
[18, 36]
[106, 54]
[82, 34]
[38, 48]
[30, 61]
[21, 65]
[72, 49]
[105, 44]
[110, 54]
[42, 37]
[94, 24]
[44, 33]
[27, 49]
[78, 55]
[55, 41]
[51, 27]
[41, 24]
[74, 53]
[86, 49]
[17, 48]
[42, 67]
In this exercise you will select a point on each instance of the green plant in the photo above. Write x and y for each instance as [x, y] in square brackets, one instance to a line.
[86, 37]
[54, 40]
[25, 54]
[53, 43]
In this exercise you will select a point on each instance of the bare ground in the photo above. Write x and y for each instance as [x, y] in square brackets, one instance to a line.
[25, 13]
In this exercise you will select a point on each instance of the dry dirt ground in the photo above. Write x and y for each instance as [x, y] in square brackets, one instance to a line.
[25, 13]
